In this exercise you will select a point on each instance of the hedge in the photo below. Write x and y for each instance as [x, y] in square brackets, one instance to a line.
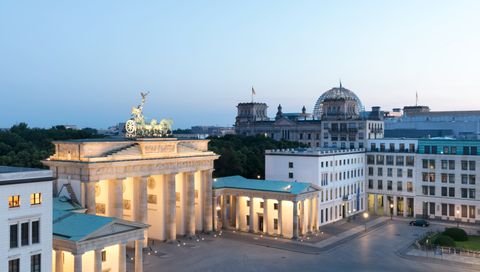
[456, 234]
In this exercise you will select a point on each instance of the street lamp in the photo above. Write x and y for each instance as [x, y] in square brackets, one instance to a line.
[365, 216]
[391, 211]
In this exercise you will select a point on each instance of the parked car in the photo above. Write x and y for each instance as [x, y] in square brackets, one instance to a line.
[420, 223]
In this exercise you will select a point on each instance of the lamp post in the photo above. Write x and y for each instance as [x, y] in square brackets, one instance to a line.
[391, 211]
[458, 218]
[365, 216]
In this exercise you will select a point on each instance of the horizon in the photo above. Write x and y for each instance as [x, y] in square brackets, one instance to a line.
[85, 63]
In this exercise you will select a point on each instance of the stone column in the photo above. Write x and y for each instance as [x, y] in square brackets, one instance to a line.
[251, 215]
[279, 220]
[385, 205]
[302, 217]
[394, 205]
[115, 196]
[58, 261]
[138, 255]
[315, 213]
[405, 212]
[375, 204]
[224, 211]
[90, 197]
[207, 203]
[140, 212]
[171, 207]
[215, 212]
[310, 215]
[122, 257]
[97, 260]
[237, 213]
[77, 262]
[265, 216]
[189, 181]
[232, 210]
[295, 219]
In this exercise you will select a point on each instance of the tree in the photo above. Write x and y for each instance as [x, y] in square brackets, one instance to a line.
[244, 155]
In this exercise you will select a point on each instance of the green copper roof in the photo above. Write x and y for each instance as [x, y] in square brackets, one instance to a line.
[77, 226]
[238, 182]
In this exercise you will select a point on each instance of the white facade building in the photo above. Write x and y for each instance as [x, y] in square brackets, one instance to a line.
[338, 173]
[26, 219]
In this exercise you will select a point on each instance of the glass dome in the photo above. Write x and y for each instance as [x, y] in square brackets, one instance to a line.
[337, 93]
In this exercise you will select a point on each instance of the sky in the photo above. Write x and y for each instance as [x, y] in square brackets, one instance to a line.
[86, 62]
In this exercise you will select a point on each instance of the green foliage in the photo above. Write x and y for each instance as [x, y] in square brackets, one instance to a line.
[456, 234]
[444, 240]
[241, 155]
[26, 147]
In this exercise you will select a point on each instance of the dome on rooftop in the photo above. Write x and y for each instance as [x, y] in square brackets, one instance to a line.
[335, 94]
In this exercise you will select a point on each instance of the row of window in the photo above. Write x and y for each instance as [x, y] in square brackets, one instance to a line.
[340, 192]
[433, 149]
[450, 178]
[468, 193]
[14, 200]
[20, 233]
[389, 160]
[390, 185]
[390, 172]
[391, 148]
[464, 211]
[35, 264]
[449, 164]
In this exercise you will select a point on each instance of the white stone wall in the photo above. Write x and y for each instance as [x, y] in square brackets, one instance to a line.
[312, 167]
[26, 213]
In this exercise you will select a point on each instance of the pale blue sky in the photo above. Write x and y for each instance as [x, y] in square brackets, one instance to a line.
[85, 62]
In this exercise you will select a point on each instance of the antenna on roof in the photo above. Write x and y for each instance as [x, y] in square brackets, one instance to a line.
[340, 83]
[416, 98]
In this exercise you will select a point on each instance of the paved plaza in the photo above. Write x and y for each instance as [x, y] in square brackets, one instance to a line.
[380, 249]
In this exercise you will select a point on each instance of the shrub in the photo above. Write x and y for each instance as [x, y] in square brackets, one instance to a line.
[456, 234]
[444, 240]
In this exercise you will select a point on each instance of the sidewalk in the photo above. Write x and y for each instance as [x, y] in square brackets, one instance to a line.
[448, 259]
[332, 238]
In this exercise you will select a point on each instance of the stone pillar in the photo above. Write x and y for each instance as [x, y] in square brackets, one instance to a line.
[90, 197]
[375, 204]
[315, 213]
[302, 217]
[115, 197]
[237, 213]
[215, 212]
[138, 255]
[58, 261]
[77, 262]
[140, 212]
[266, 219]
[310, 215]
[122, 257]
[97, 260]
[232, 210]
[251, 215]
[224, 211]
[189, 181]
[279, 220]
[207, 202]
[171, 207]
[385, 205]
[394, 205]
[295, 219]
[405, 211]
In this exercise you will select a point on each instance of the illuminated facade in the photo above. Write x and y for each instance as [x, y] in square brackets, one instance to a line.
[161, 182]
[271, 207]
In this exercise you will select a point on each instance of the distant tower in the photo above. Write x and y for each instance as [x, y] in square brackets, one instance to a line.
[279, 112]
[251, 112]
